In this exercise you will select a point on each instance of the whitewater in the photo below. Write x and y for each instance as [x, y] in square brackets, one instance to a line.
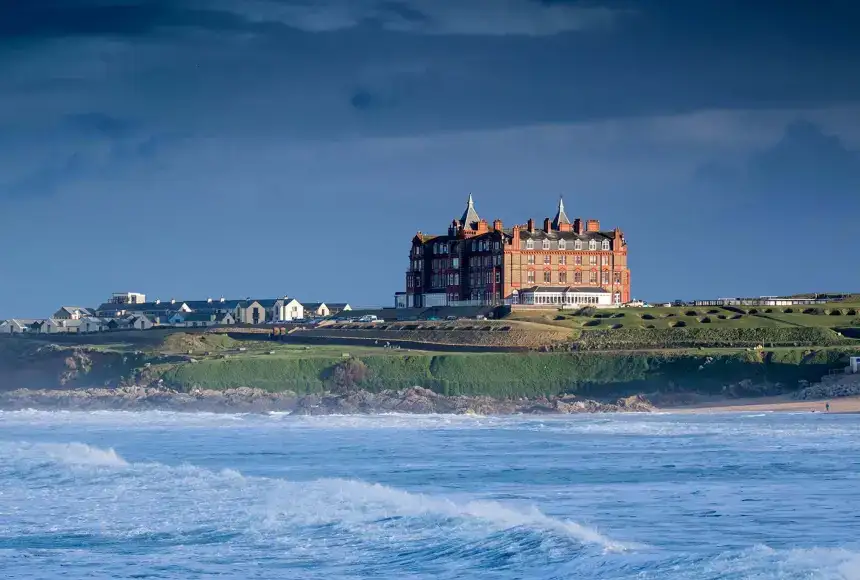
[658, 496]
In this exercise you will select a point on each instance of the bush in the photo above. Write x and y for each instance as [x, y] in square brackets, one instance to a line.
[711, 336]
[346, 376]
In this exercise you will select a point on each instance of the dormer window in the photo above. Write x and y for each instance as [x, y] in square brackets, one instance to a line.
[592, 245]
[546, 244]
[606, 245]
[577, 245]
[530, 245]
[562, 245]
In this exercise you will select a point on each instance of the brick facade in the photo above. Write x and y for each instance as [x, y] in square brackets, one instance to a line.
[476, 263]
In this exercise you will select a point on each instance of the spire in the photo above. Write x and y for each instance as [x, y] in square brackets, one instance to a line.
[560, 217]
[470, 217]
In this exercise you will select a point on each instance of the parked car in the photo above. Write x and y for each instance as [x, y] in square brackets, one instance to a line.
[450, 318]
[368, 318]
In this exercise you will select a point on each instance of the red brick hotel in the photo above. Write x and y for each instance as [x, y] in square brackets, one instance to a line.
[565, 263]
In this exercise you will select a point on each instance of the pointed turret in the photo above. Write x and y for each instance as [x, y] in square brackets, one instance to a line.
[560, 217]
[470, 217]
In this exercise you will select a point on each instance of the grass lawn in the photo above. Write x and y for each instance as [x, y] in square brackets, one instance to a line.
[822, 316]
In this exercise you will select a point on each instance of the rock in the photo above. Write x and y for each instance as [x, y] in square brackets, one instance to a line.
[831, 387]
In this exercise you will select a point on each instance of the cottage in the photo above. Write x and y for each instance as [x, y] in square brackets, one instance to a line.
[91, 324]
[250, 312]
[17, 325]
[316, 309]
[335, 308]
[54, 326]
[71, 313]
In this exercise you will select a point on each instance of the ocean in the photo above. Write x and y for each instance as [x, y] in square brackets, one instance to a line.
[663, 496]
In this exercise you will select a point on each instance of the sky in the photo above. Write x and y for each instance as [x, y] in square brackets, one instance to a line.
[202, 148]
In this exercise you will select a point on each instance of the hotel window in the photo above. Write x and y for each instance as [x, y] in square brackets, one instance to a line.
[547, 260]
[562, 245]
[562, 277]
[547, 277]
[592, 279]
[577, 245]
[578, 260]
[546, 244]
[592, 260]
[530, 245]
[562, 260]
[592, 245]
[604, 260]
[577, 277]
[618, 277]
[605, 244]
[498, 277]
[605, 278]
[531, 259]
[531, 277]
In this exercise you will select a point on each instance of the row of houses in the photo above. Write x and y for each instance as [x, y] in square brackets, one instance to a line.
[131, 311]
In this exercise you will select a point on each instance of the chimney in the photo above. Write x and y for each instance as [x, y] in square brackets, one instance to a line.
[577, 226]
[483, 226]
[565, 227]
[173, 301]
[531, 226]
[515, 234]
[158, 301]
[222, 299]
[209, 300]
[592, 226]
[497, 225]
[547, 225]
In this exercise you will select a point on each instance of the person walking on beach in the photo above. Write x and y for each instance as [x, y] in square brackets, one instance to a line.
[827, 407]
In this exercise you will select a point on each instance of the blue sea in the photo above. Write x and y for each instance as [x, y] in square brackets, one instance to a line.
[173, 495]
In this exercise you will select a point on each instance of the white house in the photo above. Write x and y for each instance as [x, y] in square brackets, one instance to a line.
[54, 326]
[854, 364]
[17, 325]
[71, 313]
[91, 324]
[565, 297]
[316, 309]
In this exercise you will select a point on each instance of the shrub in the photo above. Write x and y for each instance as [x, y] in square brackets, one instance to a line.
[346, 376]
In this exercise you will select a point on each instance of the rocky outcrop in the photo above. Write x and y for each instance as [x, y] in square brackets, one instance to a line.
[831, 387]
[415, 400]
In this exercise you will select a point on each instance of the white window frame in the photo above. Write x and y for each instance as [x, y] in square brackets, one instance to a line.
[605, 245]
[530, 245]
[577, 245]
[546, 244]
[592, 245]
[562, 245]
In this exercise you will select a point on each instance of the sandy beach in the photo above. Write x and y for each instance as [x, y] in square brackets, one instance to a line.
[770, 404]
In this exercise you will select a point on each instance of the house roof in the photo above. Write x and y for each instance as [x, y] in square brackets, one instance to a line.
[214, 305]
[21, 322]
[337, 305]
[560, 216]
[140, 307]
[539, 234]
[198, 317]
[312, 305]
[470, 217]
[568, 289]
[72, 309]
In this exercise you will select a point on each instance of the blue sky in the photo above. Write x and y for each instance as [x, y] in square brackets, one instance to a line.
[195, 148]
